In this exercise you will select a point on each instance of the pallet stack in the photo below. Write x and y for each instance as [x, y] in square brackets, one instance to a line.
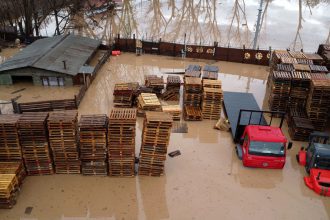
[155, 139]
[148, 102]
[63, 137]
[210, 72]
[318, 103]
[300, 83]
[121, 142]
[16, 168]
[279, 84]
[281, 57]
[154, 82]
[211, 107]
[318, 69]
[9, 189]
[10, 148]
[173, 110]
[193, 71]
[172, 92]
[208, 83]
[192, 97]
[93, 144]
[315, 58]
[300, 126]
[324, 52]
[32, 128]
[284, 67]
[124, 94]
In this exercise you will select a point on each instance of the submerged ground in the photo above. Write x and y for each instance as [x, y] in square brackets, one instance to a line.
[206, 182]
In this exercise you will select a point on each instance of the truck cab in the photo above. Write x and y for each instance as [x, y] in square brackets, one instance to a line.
[316, 159]
[262, 147]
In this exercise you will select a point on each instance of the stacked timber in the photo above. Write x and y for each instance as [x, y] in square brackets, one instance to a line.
[9, 188]
[121, 142]
[300, 126]
[192, 96]
[324, 52]
[282, 57]
[32, 128]
[16, 168]
[124, 94]
[63, 137]
[279, 84]
[93, 144]
[193, 71]
[315, 58]
[173, 110]
[301, 68]
[155, 139]
[318, 103]
[10, 149]
[172, 92]
[320, 76]
[211, 107]
[210, 72]
[318, 69]
[300, 84]
[148, 102]
[155, 83]
[284, 67]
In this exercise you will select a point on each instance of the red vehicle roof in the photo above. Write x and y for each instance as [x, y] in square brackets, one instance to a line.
[265, 133]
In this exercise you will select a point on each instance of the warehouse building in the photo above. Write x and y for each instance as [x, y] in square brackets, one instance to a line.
[57, 61]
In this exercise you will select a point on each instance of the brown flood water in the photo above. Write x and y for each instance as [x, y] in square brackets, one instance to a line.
[206, 182]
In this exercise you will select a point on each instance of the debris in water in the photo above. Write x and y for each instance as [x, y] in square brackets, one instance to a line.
[28, 210]
[222, 125]
[17, 91]
[174, 153]
[180, 127]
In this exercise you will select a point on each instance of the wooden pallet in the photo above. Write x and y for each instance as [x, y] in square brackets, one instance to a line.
[171, 95]
[210, 75]
[297, 54]
[63, 128]
[174, 110]
[300, 128]
[192, 113]
[211, 106]
[155, 139]
[121, 141]
[9, 189]
[148, 102]
[284, 67]
[95, 168]
[209, 83]
[16, 168]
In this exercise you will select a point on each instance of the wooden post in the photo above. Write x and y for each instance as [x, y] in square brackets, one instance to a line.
[228, 53]
[215, 49]
[160, 40]
[243, 61]
[174, 44]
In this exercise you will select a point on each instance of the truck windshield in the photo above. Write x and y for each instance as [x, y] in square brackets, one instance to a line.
[274, 149]
[322, 163]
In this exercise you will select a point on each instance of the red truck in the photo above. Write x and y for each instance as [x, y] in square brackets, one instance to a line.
[259, 144]
[316, 159]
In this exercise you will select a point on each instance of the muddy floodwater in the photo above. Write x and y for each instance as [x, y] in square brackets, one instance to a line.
[206, 182]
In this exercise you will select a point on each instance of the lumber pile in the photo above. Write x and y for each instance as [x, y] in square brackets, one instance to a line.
[319, 76]
[318, 69]
[125, 94]
[315, 58]
[300, 83]
[279, 84]
[93, 144]
[154, 82]
[211, 107]
[173, 110]
[155, 139]
[148, 102]
[10, 149]
[193, 71]
[281, 57]
[9, 189]
[63, 137]
[318, 103]
[121, 142]
[192, 97]
[32, 128]
[172, 92]
[301, 68]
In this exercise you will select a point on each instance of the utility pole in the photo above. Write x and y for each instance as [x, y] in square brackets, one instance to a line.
[256, 34]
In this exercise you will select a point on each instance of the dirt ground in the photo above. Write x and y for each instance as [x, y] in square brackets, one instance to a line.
[206, 182]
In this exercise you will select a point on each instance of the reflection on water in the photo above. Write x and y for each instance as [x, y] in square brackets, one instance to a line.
[305, 24]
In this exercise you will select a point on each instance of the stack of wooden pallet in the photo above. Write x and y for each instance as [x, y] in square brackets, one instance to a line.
[319, 76]
[211, 107]
[193, 71]
[93, 144]
[154, 82]
[124, 94]
[173, 110]
[315, 58]
[10, 149]
[324, 52]
[16, 168]
[32, 128]
[284, 67]
[121, 142]
[300, 84]
[155, 139]
[279, 84]
[63, 127]
[192, 96]
[301, 68]
[148, 102]
[318, 103]
[300, 127]
[9, 189]
[281, 56]
[172, 92]
[318, 69]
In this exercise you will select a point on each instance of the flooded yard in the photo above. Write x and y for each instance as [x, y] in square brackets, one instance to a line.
[206, 182]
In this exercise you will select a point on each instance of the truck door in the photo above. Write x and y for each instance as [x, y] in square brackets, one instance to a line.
[310, 158]
[245, 147]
